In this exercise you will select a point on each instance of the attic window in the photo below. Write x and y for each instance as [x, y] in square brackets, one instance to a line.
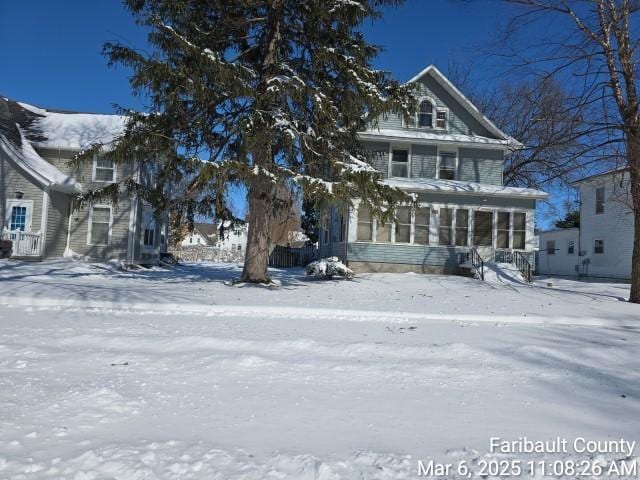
[441, 119]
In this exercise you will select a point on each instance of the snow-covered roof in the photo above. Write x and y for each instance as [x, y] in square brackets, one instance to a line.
[464, 188]
[16, 147]
[465, 102]
[72, 130]
[417, 136]
[602, 174]
[45, 173]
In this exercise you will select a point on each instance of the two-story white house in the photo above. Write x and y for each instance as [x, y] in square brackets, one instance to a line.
[603, 244]
[451, 157]
[38, 188]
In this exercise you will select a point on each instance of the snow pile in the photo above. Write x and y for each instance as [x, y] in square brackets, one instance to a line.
[328, 268]
[457, 186]
[506, 273]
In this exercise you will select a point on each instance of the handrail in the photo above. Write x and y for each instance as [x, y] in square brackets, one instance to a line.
[522, 264]
[477, 262]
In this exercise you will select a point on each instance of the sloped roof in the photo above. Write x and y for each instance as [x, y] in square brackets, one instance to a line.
[602, 174]
[464, 188]
[16, 146]
[439, 77]
[71, 130]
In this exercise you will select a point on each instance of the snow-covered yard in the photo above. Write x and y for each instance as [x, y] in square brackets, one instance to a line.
[171, 374]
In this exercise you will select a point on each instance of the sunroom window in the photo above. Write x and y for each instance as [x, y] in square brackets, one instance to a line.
[446, 223]
[504, 229]
[519, 230]
[422, 221]
[365, 225]
[483, 228]
[403, 225]
[462, 227]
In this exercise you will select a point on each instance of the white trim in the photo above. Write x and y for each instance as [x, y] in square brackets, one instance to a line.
[43, 221]
[19, 202]
[95, 166]
[466, 103]
[488, 143]
[89, 228]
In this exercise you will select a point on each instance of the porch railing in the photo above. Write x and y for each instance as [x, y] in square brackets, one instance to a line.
[477, 262]
[522, 264]
[25, 244]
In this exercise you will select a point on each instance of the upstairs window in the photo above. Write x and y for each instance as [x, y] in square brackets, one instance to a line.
[441, 119]
[425, 114]
[104, 170]
[447, 169]
[599, 200]
[400, 163]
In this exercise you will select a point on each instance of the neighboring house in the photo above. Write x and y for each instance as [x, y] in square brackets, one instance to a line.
[603, 244]
[558, 253]
[451, 157]
[204, 234]
[234, 239]
[38, 187]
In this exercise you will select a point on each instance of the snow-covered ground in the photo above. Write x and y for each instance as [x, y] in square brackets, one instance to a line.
[170, 374]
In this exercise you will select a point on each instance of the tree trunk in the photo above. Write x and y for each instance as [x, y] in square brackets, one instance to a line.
[260, 200]
[633, 152]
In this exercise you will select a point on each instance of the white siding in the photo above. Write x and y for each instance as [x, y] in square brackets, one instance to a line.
[614, 227]
[561, 262]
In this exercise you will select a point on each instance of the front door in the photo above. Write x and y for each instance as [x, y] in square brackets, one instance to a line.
[18, 215]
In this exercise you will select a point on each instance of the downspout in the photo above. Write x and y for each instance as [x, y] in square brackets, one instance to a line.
[346, 233]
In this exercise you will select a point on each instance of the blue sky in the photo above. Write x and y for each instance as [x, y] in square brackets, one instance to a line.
[50, 50]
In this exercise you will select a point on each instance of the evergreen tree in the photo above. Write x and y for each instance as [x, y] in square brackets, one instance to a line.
[570, 220]
[259, 93]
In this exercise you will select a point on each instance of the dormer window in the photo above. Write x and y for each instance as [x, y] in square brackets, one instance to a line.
[425, 114]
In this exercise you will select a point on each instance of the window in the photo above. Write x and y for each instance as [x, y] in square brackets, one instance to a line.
[100, 227]
[425, 114]
[483, 228]
[444, 229]
[570, 247]
[519, 230]
[400, 163]
[239, 248]
[383, 231]
[598, 246]
[18, 219]
[551, 247]
[149, 235]
[191, 239]
[504, 229]
[462, 227]
[104, 170]
[441, 119]
[600, 200]
[422, 222]
[447, 166]
[365, 225]
[403, 225]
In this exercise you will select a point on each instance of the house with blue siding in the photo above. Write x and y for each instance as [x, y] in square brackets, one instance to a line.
[450, 158]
